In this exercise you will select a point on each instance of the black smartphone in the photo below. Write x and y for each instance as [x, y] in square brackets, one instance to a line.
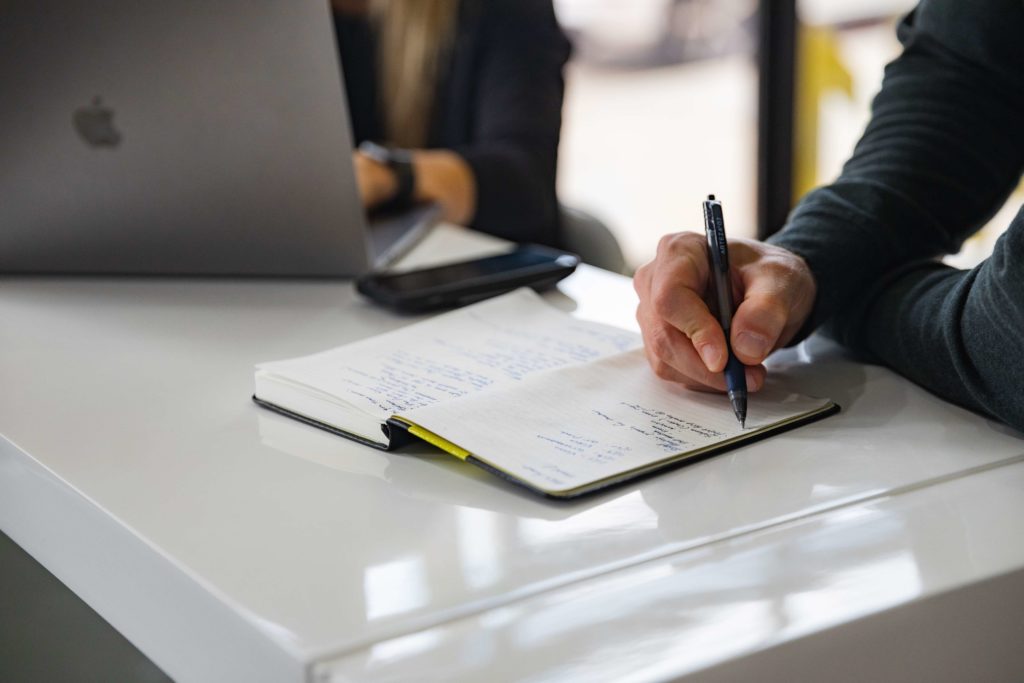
[457, 284]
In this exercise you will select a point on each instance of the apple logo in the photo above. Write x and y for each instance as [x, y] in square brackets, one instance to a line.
[95, 124]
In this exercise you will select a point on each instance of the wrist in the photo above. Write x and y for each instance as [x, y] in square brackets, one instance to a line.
[804, 306]
[398, 190]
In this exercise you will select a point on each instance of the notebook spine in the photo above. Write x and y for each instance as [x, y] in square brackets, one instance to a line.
[397, 433]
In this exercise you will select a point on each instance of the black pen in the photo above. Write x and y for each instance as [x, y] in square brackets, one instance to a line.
[718, 254]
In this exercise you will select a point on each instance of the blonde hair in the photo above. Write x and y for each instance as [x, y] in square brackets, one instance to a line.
[415, 36]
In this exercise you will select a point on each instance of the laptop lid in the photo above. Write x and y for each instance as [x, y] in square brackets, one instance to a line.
[187, 137]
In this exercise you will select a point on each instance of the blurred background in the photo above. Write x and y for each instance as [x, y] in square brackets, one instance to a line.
[662, 108]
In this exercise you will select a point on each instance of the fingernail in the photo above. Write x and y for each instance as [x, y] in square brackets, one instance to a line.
[753, 380]
[751, 345]
[710, 356]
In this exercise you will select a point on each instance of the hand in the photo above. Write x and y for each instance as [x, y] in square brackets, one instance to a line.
[683, 340]
[377, 183]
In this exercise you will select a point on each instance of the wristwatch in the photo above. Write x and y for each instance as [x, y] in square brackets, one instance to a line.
[400, 162]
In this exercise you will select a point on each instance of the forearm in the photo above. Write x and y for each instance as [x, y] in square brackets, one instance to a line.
[942, 151]
[493, 187]
[439, 176]
[444, 177]
[957, 333]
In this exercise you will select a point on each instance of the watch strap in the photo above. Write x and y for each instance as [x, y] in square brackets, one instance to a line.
[400, 162]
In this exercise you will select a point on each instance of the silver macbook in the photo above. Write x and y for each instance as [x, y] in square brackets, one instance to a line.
[180, 138]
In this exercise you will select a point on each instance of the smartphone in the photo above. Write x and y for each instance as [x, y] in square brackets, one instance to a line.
[457, 284]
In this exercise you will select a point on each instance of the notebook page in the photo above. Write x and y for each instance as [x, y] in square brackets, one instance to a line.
[504, 339]
[564, 429]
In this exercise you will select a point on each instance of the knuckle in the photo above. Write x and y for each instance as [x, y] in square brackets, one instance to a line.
[663, 301]
[666, 242]
[702, 334]
[663, 370]
[642, 278]
[694, 261]
[778, 269]
[676, 243]
[660, 345]
[689, 240]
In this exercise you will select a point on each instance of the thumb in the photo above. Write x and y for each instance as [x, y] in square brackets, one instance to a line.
[757, 325]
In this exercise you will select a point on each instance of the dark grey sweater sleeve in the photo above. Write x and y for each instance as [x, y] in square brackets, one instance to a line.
[943, 150]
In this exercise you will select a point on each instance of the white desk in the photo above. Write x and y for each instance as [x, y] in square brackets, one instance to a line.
[232, 544]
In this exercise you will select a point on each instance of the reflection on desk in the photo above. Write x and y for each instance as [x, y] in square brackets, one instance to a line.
[227, 545]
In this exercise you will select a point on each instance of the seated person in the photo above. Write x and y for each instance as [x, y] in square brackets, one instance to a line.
[473, 88]
[943, 150]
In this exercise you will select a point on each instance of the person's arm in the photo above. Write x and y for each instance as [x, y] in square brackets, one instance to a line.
[441, 176]
[958, 333]
[517, 118]
[944, 148]
[503, 181]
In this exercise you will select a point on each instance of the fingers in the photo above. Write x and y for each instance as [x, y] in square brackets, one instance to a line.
[687, 313]
[757, 326]
[673, 359]
[672, 356]
[776, 302]
[676, 296]
[683, 341]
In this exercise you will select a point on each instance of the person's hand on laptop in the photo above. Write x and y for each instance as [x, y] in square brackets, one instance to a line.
[684, 343]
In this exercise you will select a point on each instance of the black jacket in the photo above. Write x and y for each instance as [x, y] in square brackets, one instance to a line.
[499, 105]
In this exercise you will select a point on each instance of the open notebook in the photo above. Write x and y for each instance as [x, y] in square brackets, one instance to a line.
[559, 405]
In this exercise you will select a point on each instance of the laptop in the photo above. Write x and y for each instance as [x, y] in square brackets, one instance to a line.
[181, 138]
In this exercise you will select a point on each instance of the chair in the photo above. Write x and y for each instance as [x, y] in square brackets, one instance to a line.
[591, 239]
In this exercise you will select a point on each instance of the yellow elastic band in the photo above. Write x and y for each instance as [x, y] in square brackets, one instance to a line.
[435, 440]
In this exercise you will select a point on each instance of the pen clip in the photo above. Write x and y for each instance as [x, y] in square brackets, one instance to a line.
[714, 226]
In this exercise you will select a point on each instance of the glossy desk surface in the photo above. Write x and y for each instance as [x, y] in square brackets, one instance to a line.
[230, 543]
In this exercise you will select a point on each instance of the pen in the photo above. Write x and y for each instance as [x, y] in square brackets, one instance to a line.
[718, 255]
